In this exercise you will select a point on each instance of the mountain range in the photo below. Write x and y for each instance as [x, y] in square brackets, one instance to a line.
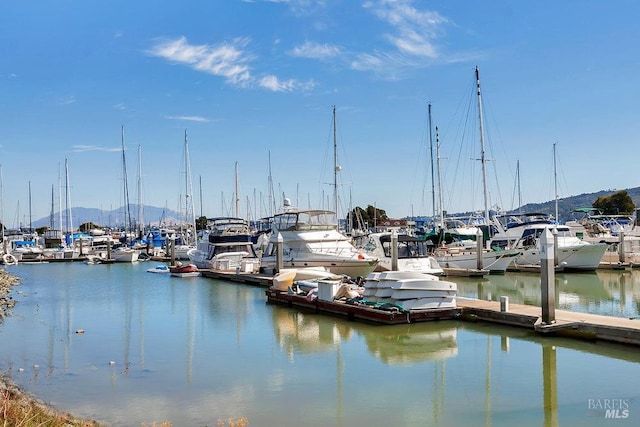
[115, 218]
[156, 216]
[567, 204]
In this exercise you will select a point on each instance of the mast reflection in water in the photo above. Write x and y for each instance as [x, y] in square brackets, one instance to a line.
[195, 351]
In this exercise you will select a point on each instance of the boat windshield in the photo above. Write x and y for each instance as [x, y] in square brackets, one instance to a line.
[306, 220]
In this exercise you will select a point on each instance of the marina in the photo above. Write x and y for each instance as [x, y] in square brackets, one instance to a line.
[158, 348]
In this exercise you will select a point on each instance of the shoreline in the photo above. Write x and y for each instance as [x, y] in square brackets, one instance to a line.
[18, 407]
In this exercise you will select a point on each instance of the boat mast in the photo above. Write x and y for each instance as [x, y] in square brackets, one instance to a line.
[189, 189]
[440, 202]
[433, 181]
[140, 207]
[482, 151]
[237, 197]
[555, 181]
[60, 200]
[51, 214]
[68, 201]
[519, 189]
[127, 213]
[336, 168]
[30, 221]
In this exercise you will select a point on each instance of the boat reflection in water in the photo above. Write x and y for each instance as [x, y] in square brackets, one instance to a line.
[195, 352]
[609, 292]
[305, 333]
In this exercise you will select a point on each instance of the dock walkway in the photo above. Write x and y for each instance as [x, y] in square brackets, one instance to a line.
[567, 323]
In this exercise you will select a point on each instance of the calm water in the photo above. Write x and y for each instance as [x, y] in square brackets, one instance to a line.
[195, 351]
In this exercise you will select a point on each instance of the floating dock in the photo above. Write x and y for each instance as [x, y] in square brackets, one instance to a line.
[355, 311]
[567, 323]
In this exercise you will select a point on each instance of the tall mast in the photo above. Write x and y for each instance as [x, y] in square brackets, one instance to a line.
[440, 202]
[336, 168]
[60, 200]
[237, 197]
[482, 152]
[51, 214]
[433, 181]
[519, 189]
[68, 201]
[140, 220]
[189, 188]
[30, 221]
[555, 181]
[271, 198]
[200, 182]
[127, 211]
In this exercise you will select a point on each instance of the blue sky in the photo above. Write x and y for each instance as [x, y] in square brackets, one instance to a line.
[254, 84]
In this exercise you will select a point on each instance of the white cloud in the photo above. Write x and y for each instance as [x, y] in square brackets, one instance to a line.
[189, 118]
[67, 100]
[83, 148]
[316, 50]
[414, 31]
[227, 60]
[276, 85]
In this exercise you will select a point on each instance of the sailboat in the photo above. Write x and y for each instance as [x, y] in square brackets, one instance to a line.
[461, 256]
[124, 253]
[189, 236]
[523, 231]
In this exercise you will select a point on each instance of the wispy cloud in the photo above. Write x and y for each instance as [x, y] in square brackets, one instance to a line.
[197, 119]
[412, 35]
[229, 60]
[316, 50]
[300, 7]
[274, 84]
[83, 148]
[413, 31]
[67, 100]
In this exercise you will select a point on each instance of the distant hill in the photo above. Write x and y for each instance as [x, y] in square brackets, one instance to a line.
[151, 215]
[567, 204]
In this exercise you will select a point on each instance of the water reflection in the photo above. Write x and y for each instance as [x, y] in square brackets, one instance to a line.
[302, 333]
[610, 292]
[192, 352]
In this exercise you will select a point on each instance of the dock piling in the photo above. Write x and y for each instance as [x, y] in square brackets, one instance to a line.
[479, 249]
[547, 276]
[504, 304]
[394, 251]
[279, 257]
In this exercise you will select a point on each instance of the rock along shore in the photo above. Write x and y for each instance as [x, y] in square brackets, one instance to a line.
[6, 301]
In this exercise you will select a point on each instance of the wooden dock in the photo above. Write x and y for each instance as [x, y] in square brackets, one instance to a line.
[567, 323]
[355, 311]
